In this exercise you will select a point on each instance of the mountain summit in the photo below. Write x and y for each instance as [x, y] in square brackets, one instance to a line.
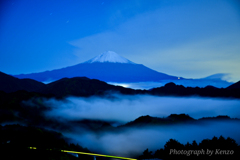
[109, 56]
[108, 67]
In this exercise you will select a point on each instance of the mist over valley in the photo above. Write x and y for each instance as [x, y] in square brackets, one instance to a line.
[104, 131]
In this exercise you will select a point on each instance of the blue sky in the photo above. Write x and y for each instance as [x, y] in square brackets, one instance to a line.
[191, 39]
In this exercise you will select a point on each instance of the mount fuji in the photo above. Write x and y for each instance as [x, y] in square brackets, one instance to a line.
[108, 67]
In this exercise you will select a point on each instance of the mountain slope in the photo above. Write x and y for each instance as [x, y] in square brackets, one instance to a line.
[108, 67]
[82, 86]
[234, 86]
[147, 121]
[208, 91]
[109, 56]
[11, 84]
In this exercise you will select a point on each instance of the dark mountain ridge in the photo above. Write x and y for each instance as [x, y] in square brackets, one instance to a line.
[83, 86]
[173, 119]
[171, 89]
[11, 84]
[234, 86]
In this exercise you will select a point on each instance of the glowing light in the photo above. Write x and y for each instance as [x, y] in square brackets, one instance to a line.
[92, 154]
[120, 84]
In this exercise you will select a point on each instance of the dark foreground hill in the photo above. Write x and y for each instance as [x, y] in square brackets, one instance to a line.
[215, 148]
[77, 86]
[11, 84]
[16, 140]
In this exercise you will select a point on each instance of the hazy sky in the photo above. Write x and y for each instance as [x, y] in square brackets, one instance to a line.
[190, 39]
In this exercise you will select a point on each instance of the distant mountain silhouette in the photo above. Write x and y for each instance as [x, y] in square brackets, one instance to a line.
[208, 91]
[148, 120]
[145, 121]
[108, 67]
[11, 84]
[216, 118]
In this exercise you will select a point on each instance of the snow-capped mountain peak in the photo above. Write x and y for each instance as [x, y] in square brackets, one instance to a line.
[109, 56]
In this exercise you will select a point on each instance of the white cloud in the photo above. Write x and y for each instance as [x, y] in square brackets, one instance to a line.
[127, 108]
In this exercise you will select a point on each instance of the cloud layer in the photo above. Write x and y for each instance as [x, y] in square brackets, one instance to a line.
[131, 142]
[127, 108]
[134, 141]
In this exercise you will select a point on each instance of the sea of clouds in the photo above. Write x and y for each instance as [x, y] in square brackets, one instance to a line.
[120, 109]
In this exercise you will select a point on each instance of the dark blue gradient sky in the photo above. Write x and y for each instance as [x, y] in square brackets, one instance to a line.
[186, 38]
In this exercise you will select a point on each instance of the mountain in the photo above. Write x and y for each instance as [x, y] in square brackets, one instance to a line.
[11, 84]
[108, 67]
[82, 86]
[234, 86]
[208, 91]
[77, 86]
[147, 121]
[109, 56]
